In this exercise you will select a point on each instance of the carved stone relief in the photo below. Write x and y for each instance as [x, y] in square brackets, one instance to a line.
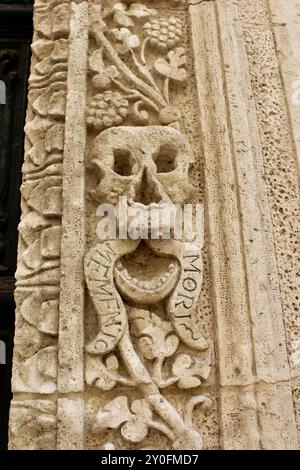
[33, 425]
[147, 337]
[38, 273]
[120, 331]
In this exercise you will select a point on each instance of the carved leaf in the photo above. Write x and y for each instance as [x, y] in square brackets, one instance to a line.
[140, 11]
[157, 340]
[104, 376]
[48, 322]
[120, 17]
[54, 139]
[33, 424]
[42, 48]
[128, 40]
[96, 61]
[38, 373]
[28, 341]
[47, 362]
[31, 226]
[113, 414]
[192, 370]
[57, 104]
[135, 422]
[43, 314]
[172, 67]
[122, 14]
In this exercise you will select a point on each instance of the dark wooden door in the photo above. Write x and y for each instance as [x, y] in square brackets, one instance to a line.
[15, 40]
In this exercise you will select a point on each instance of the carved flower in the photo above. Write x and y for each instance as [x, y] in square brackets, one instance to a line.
[126, 39]
[164, 34]
[134, 422]
[123, 14]
[107, 110]
[173, 67]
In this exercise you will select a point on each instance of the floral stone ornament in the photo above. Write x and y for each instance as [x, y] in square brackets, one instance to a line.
[144, 292]
[137, 58]
[147, 339]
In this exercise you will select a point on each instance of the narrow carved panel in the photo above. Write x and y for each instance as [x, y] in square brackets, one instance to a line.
[282, 179]
[148, 307]
[38, 273]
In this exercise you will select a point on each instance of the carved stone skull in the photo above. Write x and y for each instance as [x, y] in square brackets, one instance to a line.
[150, 166]
[146, 164]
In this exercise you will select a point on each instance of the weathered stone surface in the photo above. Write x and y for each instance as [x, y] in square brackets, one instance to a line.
[155, 338]
[33, 425]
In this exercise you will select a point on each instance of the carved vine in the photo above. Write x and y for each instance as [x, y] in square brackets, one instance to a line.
[138, 56]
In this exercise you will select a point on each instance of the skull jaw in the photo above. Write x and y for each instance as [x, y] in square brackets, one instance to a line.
[151, 292]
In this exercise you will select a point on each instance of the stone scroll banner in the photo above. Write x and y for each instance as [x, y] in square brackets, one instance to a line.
[148, 338]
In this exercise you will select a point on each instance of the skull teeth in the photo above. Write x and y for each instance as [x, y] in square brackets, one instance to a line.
[146, 285]
[151, 285]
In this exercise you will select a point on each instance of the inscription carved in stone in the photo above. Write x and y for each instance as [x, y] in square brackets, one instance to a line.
[140, 113]
[144, 288]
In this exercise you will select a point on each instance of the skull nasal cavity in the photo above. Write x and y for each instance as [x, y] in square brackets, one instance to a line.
[122, 162]
[147, 191]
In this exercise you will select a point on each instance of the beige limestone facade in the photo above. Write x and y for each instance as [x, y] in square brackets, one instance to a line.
[144, 342]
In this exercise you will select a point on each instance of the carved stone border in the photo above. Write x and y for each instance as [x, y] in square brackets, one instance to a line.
[71, 316]
[38, 274]
[256, 401]
[255, 389]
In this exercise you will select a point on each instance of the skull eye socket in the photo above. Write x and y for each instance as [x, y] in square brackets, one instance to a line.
[166, 159]
[122, 162]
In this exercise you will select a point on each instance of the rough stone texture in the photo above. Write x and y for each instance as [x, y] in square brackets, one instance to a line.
[160, 343]
[38, 274]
